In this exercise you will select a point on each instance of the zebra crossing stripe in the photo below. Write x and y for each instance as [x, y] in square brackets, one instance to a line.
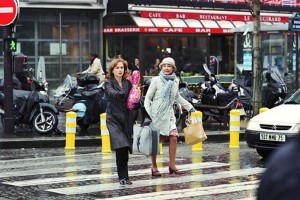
[161, 181]
[193, 192]
[47, 181]
[55, 160]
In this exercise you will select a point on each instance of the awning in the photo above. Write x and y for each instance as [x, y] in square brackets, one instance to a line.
[264, 26]
[162, 25]
[163, 20]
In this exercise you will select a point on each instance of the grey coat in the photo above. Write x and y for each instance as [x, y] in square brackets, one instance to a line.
[153, 95]
[118, 117]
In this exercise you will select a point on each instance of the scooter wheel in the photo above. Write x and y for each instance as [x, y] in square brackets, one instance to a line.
[48, 125]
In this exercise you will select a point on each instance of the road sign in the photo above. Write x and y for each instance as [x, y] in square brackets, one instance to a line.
[8, 12]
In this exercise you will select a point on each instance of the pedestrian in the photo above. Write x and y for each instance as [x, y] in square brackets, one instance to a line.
[281, 180]
[136, 66]
[118, 123]
[154, 71]
[162, 93]
[94, 68]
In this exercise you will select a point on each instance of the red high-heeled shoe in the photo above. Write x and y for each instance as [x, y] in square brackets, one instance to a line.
[176, 172]
[155, 173]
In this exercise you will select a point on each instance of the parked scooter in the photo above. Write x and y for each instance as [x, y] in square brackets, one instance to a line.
[274, 90]
[216, 100]
[64, 94]
[32, 108]
[243, 85]
[89, 103]
[26, 81]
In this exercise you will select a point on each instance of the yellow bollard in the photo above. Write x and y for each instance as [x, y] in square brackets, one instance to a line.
[261, 110]
[234, 131]
[197, 116]
[161, 152]
[104, 135]
[70, 130]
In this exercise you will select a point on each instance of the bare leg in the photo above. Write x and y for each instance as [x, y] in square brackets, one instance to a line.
[154, 164]
[172, 151]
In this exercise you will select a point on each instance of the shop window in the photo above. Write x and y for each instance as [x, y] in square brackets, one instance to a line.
[188, 52]
[70, 30]
[57, 48]
[24, 30]
[26, 47]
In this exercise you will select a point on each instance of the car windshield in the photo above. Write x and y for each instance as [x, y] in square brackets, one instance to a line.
[294, 99]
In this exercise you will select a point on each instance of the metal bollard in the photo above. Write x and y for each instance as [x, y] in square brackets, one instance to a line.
[70, 130]
[263, 109]
[104, 134]
[197, 117]
[235, 125]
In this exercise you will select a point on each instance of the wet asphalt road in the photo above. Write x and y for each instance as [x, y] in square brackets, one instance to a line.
[217, 172]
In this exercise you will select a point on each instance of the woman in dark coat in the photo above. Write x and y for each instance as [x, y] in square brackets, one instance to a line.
[118, 121]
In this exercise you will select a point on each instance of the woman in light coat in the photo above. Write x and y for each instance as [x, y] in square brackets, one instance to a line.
[162, 93]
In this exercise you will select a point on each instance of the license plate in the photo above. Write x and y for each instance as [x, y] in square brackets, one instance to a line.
[272, 137]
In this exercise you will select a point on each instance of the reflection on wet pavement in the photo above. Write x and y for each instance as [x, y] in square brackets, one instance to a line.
[85, 173]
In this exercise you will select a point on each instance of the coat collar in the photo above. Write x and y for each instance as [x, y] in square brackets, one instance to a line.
[117, 86]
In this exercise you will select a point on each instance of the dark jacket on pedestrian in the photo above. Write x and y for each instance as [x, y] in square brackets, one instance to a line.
[118, 118]
[281, 180]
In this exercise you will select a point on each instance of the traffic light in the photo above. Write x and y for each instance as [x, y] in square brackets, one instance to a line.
[9, 44]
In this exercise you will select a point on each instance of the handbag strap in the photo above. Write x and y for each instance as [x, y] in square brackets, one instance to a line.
[144, 116]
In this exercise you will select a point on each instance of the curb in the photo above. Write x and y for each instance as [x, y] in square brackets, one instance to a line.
[87, 141]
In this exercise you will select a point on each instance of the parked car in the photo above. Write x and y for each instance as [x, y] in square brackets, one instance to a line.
[274, 127]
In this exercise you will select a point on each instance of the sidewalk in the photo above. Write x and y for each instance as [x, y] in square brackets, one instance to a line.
[24, 138]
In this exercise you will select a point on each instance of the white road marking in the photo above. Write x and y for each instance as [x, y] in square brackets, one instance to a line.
[46, 181]
[152, 182]
[193, 192]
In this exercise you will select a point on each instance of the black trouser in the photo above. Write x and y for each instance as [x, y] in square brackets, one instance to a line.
[122, 156]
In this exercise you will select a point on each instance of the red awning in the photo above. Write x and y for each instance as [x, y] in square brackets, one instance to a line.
[201, 21]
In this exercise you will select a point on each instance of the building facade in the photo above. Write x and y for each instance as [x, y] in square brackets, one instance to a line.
[197, 32]
[63, 32]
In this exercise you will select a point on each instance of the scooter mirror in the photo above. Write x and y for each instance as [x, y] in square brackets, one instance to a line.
[206, 69]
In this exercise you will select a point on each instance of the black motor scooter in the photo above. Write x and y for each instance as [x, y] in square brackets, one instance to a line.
[32, 108]
[274, 90]
[216, 101]
[243, 84]
[90, 102]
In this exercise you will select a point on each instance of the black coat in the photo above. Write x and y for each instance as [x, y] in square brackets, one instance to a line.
[118, 117]
[281, 180]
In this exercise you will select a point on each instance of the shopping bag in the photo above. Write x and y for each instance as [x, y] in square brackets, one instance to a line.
[194, 133]
[146, 139]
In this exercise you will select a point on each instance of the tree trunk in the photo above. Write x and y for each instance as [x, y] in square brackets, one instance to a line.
[257, 68]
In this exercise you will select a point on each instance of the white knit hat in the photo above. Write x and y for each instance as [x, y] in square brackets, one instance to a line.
[169, 61]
